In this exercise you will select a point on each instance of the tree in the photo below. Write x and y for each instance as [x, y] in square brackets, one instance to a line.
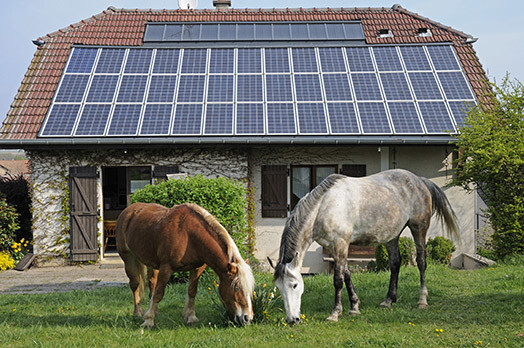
[491, 146]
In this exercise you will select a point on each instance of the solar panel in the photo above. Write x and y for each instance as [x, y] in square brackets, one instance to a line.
[374, 118]
[436, 117]
[102, 89]
[249, 61]
[366, 87]
[249, 88]
[331, 59]
[359, 59]
[156, 119]
[132, 89]
[280, 119]
[188, 119]
[138, 61]
[82, 60]
[304, 60]
[311, 118]
[162, 89]
[166, 61]
[337, 87]
[93, 119]
[110, 61]
[250, 119]
[443, 58]
[221, 61]
[219, 119]
[220, 88]
[460, 110]
[61, 119]
[191, 89]
[343, 118]
[404, 117]
[425, 86]
[277, 60]
[387, 58]
[454, 85]
[395, 86]
[415, 58]
[194, 61]
[278, 88]
[308, 87]
[72, 89]
[125, 119]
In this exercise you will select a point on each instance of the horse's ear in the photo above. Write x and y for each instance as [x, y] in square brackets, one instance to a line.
[231, 268]
[270, 262]
[247, 261]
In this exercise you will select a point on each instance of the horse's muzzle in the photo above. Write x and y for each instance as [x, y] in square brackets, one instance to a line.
[242, 319]
[293, 321]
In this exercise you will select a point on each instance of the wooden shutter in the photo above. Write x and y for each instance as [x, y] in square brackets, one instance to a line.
[84, 216]
[274, 191]
[160, 172]
[355, 170]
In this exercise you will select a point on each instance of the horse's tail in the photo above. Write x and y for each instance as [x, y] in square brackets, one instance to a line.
[442, 208]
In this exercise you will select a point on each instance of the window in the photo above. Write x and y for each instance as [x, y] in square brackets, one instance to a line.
[306, 178]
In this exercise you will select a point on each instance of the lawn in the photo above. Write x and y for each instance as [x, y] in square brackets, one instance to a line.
[482, 308]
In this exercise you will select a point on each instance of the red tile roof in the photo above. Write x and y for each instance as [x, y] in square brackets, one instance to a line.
[124, 27]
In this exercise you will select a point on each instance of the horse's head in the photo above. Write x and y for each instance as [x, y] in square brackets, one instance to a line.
[291, 285]
[236, 290]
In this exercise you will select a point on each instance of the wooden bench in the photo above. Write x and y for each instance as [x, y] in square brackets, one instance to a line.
[359, 255]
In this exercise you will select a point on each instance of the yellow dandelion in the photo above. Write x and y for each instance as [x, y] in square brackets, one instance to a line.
[302, 316]
[255, 295]
[14, 309]
[22, 240]
[264, 285]
[291, 336]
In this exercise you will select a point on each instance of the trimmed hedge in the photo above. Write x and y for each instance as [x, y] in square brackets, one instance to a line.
[439, 249]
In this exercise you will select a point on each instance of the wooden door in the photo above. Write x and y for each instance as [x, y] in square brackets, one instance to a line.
[84, 213]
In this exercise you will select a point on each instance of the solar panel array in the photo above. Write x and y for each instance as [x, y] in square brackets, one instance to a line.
[375, 90]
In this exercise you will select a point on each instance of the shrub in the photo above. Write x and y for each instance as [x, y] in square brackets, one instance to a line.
[8, 225]
[6, 262]
[15, 189]
[439, 249]
[407, 252]
[487, 253]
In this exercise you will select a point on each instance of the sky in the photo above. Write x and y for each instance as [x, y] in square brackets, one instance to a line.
[496, 24]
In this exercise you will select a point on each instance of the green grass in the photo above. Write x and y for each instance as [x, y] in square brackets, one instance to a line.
[485, 305]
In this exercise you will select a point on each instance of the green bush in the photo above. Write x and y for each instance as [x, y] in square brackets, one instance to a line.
[8, 225]
[439, 249]
[407, 252]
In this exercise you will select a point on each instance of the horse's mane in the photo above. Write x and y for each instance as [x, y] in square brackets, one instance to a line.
[245, 278]
[291, 237]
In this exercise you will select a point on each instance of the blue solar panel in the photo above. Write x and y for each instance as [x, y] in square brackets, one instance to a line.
[337, 87]
[387, 58]
[72, 89]
[110, 61]
[249, 88]
[395, 86]
[162, 89]
[61, 119]
[279, 88]
[138, 61]
[311, 118]
[454, 85]
[277, 60]
[443, 58]
[188, 119]
[156, 119]
[366, 87]
[425, 86]
[249, 61]
[304, 60]
[219, 119]
[374, 118]
[82, 60]
[460, 110]
[415, 58]
[404, 117]
[308, 87]
[221, 61]
[194, 61]
[343, 118]
[332, 59]
[220, 88]
[132, 89]
[250, 119]
[359, 59]
[125, 119]
[280, 119]
[93, 119]
[436, 117]
[191, 89]
[166, 61]
[102, 89]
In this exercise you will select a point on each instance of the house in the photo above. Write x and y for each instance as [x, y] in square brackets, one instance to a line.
[279, 97]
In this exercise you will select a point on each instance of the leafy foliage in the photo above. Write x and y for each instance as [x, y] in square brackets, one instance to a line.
[16, 192]
[439, 249]
[6, 261]
[8, 225]
[492, 160]
[407, 252]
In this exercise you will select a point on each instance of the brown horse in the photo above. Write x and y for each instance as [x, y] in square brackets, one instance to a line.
[183, 238]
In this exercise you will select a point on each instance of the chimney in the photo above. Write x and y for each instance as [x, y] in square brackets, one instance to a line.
[222, 3]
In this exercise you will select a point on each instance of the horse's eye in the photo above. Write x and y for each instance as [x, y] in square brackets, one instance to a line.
[295, 286]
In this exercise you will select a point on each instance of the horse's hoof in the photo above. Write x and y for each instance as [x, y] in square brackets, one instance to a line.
[138, 314]
[386, 304]
[191, 320]
[148, 323]
[334, 316]
[354, 312]
[423, 306]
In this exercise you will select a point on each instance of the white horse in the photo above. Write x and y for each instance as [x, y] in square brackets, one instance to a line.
[370, 210]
